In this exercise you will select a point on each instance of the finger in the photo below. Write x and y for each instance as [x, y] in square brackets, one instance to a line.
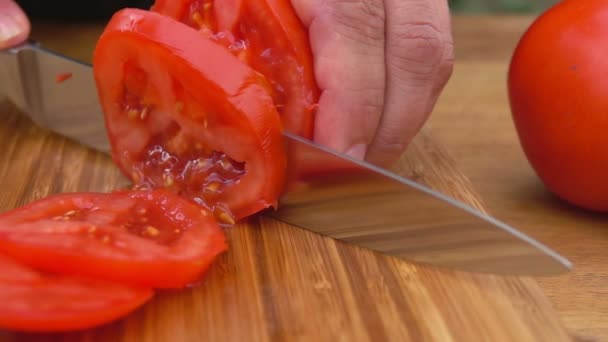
[347, 42]
[419, 63]
[14, 25]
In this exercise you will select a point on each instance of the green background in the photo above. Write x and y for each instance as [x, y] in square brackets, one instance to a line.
[500, 6]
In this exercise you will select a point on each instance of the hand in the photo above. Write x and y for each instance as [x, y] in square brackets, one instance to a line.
[14, 25]
[381, 65]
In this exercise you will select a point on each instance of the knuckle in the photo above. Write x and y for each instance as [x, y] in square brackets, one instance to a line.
[446, 64]
[359, 20]
[354, 73]
[370, 106]
[394, 136]
[388, 141]
[447, 70]
[419, 48]
[363, 104]
[364, 95]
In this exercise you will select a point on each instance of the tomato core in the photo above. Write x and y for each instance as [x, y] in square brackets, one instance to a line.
[174, 158]
[191, 170]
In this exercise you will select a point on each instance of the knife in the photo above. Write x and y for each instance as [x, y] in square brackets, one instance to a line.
[347, 199]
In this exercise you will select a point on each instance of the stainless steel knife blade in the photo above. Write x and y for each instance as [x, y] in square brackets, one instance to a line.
[329, 193]
[28, 76]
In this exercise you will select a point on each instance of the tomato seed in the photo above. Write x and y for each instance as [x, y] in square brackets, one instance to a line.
[242, 56]
[144, 113]
[203, 162]
[152, 231]
[212, 187]
[224, 217]
[198, 19]
[225, 163]
[135, 177]
[132, 114]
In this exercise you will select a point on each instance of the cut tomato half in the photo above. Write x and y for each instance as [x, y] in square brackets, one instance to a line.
[145, 238]
[183, 113]
[268, 36]
[33, 301]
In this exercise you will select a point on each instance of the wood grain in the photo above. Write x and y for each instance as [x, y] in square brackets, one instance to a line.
[473, 119]
[280, 283]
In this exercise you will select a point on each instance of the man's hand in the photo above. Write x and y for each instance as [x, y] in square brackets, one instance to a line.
[381, 65]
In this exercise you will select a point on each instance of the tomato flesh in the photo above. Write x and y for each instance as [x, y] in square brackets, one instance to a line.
[146, 238]
[268, 36]
[174, 158]
[183, 113]
[191, 170]
[35, 302]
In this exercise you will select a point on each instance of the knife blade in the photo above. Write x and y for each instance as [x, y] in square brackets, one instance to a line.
[329, 193]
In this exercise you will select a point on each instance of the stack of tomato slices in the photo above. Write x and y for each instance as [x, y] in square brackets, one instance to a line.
[196, 95]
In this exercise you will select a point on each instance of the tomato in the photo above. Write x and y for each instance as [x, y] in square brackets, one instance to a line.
[140, 237]
[268, 36]
[558, 87]
[183, 113]
[35, 302]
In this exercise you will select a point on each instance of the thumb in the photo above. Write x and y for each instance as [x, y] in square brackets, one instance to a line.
[14, 25]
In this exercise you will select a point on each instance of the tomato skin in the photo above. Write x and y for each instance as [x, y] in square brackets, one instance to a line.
[36, 302]
[226, 106]
[558, 93]
[142, 238]
[276, 45]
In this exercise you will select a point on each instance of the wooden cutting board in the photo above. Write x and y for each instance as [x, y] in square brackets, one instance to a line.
[281, 283]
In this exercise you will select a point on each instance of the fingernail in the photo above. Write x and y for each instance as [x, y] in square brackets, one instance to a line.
[357, 151]
[14, 26]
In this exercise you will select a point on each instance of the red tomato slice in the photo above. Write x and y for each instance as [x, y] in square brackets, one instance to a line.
[37, 302]
[146, 238]
[268, 36]
[182, 112]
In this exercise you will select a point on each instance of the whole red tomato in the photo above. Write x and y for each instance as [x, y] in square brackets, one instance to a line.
[558, 92]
